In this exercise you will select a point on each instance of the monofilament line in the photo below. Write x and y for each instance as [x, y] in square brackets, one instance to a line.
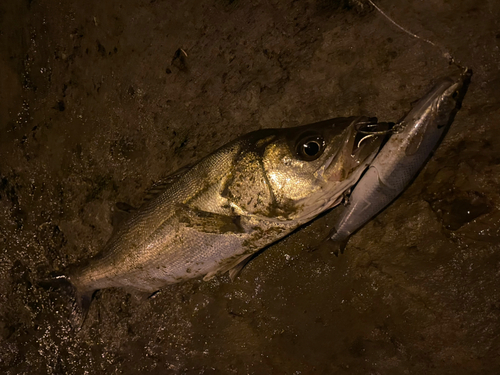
[446, 54]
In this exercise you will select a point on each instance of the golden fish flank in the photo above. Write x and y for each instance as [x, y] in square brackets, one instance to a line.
[246, 195]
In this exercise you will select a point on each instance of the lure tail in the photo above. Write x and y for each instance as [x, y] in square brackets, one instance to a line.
[334, 246]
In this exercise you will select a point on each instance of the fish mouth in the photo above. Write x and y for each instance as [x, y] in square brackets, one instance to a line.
[342, 169]
[345, 168]
[465, 79]
[456, 90]
[362, 141]
[368, 138]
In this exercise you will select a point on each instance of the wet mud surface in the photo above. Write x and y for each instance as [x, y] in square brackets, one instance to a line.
[100, 99]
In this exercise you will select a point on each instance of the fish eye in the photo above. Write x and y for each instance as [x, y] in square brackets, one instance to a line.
[455, 94]
[310, 148]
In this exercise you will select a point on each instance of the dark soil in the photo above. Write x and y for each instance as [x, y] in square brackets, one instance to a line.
[100, 99]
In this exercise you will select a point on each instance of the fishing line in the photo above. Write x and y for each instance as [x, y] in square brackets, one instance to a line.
[444, 51]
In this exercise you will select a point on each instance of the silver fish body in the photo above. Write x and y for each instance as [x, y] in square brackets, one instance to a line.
[404, 154]
[234, 202]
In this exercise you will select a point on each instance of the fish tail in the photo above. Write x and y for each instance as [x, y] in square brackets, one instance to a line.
[334, 245]
[81, 298]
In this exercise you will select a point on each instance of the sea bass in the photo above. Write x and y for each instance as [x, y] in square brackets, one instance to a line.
[246, 195]
[404, 154]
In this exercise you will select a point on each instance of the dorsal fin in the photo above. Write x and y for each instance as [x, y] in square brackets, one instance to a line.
[123, 210]
[125, 207]
[163, 184]
[156, 190]
[120, 213]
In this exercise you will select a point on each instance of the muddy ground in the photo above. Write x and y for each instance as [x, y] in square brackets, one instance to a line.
[98, 101]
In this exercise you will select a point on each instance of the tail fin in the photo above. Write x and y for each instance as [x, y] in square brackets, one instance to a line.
[335, 247]
[82, 299]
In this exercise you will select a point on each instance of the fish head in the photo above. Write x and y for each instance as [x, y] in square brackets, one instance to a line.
[432, 115]
[306, 169]
[443, 101]
[449, 93]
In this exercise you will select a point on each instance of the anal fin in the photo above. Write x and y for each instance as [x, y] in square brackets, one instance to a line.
[235, 271]
[233, 268]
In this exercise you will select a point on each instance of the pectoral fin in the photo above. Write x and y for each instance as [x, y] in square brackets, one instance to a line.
[209, 222]
[120, 213]
[160, 186]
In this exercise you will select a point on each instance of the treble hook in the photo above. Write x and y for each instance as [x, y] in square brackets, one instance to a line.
[357, 127]
[365, 137]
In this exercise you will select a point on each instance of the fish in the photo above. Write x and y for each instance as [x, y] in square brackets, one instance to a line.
[211, 217]
[403, 155]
